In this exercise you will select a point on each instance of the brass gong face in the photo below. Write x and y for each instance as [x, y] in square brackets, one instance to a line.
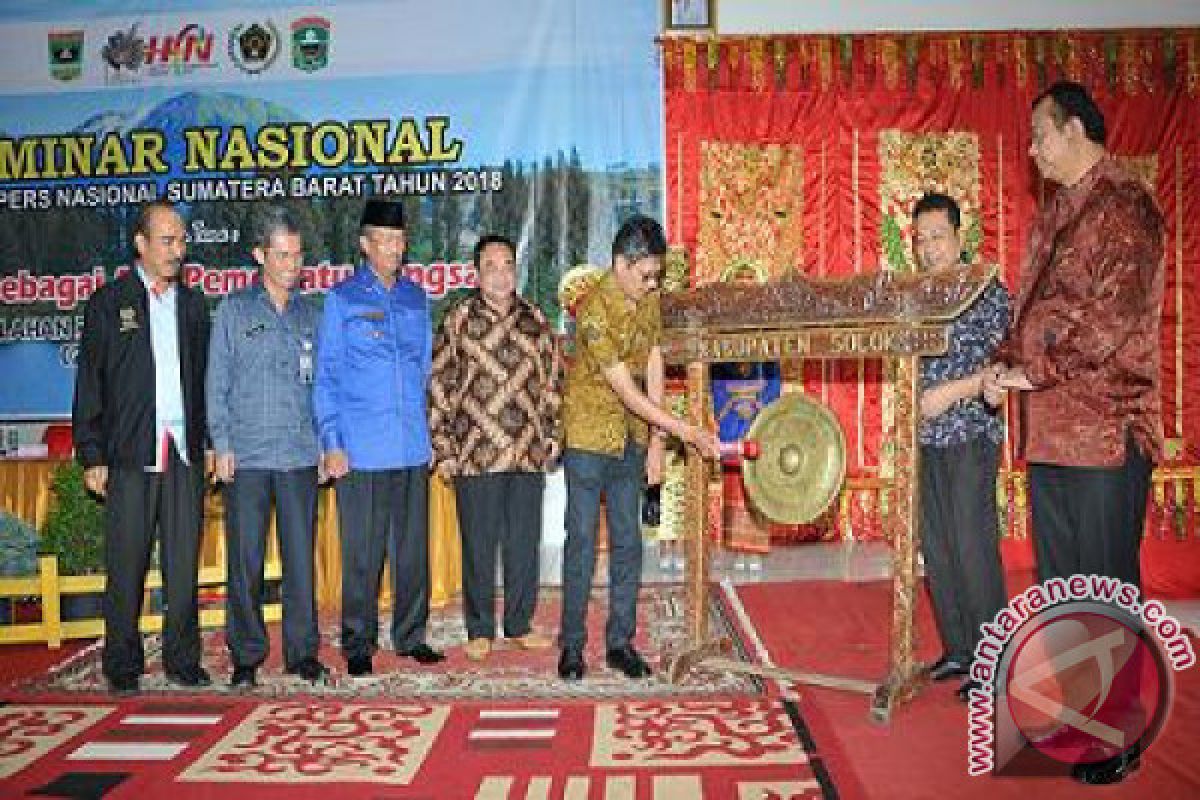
[802, 460]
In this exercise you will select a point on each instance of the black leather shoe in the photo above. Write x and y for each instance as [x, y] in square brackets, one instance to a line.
[309, 669]
[947, 667]
[423, 654]
[358, 666]
[191, 677]
[963, 692]
[244, 678]
[629, 661]
[570, 664]
[1111, 770]
[124, 686]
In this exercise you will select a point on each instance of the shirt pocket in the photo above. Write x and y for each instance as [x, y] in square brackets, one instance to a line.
[253, 371]
[366, 334]
[410, 333]
[254, 339]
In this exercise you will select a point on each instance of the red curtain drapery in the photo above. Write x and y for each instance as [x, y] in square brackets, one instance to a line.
[805, 152]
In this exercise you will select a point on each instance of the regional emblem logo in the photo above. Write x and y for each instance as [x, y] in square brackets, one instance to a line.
[66, 54]
[310, 43]
[253, 48]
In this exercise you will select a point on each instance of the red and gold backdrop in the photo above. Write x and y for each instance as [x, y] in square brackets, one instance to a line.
[806, 153]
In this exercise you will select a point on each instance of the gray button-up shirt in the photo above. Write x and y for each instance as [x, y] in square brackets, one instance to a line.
[259, 385]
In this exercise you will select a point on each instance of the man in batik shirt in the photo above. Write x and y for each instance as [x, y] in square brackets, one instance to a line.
[494, 401]
[613, 395]
[1084, 355]
[959, 435]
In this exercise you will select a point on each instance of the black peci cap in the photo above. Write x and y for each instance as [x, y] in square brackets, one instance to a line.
[383, 214]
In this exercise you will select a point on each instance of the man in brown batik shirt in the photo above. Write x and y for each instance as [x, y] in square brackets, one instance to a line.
[1084, 354]
[494, 399]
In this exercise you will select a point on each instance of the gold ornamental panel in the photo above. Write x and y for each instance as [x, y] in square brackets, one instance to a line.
[879, 298]
[751, 209]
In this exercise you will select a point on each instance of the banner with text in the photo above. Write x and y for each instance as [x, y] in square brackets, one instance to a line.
[538, 119]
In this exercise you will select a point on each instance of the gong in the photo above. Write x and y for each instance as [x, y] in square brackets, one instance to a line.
[801, 461]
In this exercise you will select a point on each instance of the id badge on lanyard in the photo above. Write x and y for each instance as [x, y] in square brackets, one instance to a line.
[306, 361]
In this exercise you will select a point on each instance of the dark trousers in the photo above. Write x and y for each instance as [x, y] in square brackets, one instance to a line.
[139, 504]
[247, 516]
[1089, 520]
[384, 513]
[502, 509]
[959, 530]
[620, 479]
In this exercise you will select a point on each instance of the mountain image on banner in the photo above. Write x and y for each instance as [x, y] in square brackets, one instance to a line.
[176, 114]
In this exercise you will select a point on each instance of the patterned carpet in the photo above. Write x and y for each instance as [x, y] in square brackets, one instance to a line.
[507, 673]
[504, 730]
[739, 748]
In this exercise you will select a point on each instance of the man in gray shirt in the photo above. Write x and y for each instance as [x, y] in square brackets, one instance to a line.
[259, 391]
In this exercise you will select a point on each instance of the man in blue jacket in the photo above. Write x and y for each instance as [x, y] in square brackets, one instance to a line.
[373, 365]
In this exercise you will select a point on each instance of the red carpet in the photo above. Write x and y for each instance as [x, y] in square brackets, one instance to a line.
[842, 628]
[19, 662]
[657, 750]
[737, 746]
[651, 742]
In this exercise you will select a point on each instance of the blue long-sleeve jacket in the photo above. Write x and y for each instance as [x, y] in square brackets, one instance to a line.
[373, 362]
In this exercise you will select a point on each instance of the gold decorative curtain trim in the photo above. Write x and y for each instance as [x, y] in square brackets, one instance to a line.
[1129, 61]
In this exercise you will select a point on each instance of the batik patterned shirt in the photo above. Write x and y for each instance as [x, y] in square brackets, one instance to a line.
[974, 336]
[608, 330]
[494, 392]
[1087, 323]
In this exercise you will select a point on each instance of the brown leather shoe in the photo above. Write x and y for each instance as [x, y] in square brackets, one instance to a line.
[531, 641]
[477, 649]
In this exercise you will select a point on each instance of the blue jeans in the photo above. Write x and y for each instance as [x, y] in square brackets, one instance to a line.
[620, 479]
